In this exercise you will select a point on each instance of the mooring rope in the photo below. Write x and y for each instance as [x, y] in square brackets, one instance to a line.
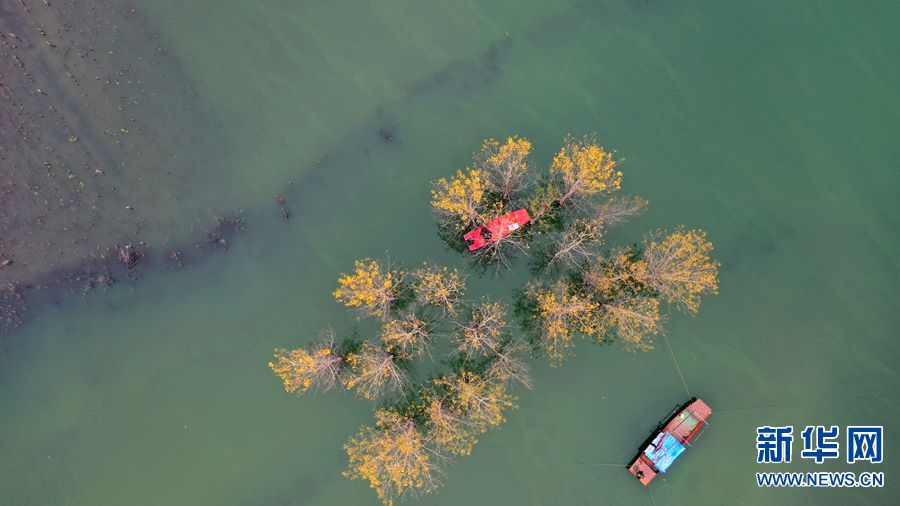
[677, 367]
[572, 55]
[602, 464]
[800, 403]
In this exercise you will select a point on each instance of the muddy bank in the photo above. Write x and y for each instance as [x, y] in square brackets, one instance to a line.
[103, 141]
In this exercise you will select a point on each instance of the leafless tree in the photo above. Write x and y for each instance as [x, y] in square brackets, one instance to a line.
[618, 209]
[577, 244]
[484, 330]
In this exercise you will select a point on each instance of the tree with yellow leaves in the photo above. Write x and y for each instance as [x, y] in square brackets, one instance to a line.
[450, 429]
[561, 311]
[586, 168]
[506, 164]
[374, 372]
[679, 267]
[301, 370]
[610, 274]
[634, 319]
[395, 456]
[460, 200]
[588, 292]
[482, 401]
[439, 286]
[370, 288]
[407, 336]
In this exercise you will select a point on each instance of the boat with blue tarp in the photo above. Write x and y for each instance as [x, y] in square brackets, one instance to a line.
[671, 437]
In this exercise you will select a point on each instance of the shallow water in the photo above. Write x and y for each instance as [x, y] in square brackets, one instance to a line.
[771, 126]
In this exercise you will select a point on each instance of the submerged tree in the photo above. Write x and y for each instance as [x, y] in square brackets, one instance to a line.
[407, 336]
[576, 245]
[634, 319]
[507, 165]
[370, 288]
[617, 210]
[374, 372]
[611, 275]
[301, 370]
[508, 363]
[439, 286]
[396, 457]
[585, 168]
[459, 201]
[450, 429]
[561, 311]
[483, 332]
[482, 401]
[586, 291]
[679, 267]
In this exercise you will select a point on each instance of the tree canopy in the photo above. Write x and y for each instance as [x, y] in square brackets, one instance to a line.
[429, 410]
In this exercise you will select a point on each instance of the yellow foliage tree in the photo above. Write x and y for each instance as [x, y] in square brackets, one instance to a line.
[450, 429]
[459, 200]
[395, 457]
[507, 164]
[406, 337]
[301, 370]
[610, 275]
[635, 319]
[370, 288]
[561, 311]
[439, 286]
[679, 267]
[374, 372]
[586, 168]
[481, 401]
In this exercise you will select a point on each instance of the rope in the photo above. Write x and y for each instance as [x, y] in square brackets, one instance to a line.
[572, 55]
[800, 403]
[601, 464]
[677, 367]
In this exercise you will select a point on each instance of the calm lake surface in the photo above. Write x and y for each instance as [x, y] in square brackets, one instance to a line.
[772, 125]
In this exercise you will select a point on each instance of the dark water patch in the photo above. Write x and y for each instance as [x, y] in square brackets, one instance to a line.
[465, 76]
[118, 264]
[758, 242]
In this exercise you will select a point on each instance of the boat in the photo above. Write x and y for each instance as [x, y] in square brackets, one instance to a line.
[496, 229]
[669, 440]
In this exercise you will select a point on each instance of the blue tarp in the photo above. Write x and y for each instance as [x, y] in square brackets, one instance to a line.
[664, 450]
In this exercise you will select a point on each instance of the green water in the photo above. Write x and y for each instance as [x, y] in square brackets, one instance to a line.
[772, 125]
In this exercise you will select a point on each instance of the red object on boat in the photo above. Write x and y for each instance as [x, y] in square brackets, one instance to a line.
[669, 440]
[496, 229]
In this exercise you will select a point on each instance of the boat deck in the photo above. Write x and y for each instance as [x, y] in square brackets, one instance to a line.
[683, 426]
[686, 424]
